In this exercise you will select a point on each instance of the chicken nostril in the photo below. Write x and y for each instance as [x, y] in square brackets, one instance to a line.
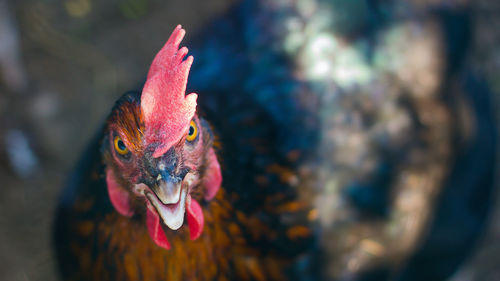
[161, 167]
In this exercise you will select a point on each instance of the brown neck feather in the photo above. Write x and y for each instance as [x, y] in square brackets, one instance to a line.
[222, 252]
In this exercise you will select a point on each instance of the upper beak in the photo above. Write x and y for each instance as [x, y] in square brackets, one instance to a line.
[168, 176]
[168, 187]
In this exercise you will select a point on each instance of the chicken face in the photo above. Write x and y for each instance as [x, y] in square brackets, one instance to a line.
[158, 152]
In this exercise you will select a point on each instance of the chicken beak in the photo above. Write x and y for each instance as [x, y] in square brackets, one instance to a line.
[169, 198]
[167, 191]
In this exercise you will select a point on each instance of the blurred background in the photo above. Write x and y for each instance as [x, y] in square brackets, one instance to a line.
[62, 66]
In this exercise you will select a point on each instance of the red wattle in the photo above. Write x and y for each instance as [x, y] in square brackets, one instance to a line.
[155, 230]
[119, 198]
[195, 218]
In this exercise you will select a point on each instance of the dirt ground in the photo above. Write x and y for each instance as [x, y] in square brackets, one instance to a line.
[67, 63]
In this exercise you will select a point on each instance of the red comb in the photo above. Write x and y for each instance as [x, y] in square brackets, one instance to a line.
[166, 109]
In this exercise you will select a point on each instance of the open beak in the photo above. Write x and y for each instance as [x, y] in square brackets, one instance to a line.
[167, 191]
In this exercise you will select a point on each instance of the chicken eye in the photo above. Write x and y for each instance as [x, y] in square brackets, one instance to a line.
[120, 146]
[193, 131]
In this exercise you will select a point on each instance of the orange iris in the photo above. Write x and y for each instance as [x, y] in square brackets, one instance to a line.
[193, 131]
[120, 146]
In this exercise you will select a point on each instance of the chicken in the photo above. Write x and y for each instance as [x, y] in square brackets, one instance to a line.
[123, 218]
[333, 143]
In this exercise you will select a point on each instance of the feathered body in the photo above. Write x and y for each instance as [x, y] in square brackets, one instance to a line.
[101, 230]
[340, 130]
